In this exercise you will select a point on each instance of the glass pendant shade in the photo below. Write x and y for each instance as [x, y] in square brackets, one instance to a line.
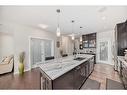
[73, 37]
[58, 32]
[80, 39]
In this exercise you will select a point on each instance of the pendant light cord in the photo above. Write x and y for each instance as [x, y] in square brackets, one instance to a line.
[58, 20]
[73, 27]
[58, 26]
[58, 11]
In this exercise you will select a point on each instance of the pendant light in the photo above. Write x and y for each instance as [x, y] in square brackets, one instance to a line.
[73, 36]
[58, 27]
[80, 39]
[81, 35]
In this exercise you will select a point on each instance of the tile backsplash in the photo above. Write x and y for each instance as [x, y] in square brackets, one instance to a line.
[88, 50]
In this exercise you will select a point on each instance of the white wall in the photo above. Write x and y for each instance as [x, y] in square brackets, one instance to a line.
[6, 45]
[21, 37]
[109, 36]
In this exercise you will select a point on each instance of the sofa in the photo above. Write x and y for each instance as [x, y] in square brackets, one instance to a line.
[6, 64]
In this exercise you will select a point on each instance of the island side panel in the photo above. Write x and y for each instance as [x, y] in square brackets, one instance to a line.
[46, 81]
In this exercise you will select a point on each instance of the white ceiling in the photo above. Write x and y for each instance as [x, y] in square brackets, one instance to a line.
[89, 17]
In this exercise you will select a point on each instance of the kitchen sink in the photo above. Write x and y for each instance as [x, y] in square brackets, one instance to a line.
[79, 58]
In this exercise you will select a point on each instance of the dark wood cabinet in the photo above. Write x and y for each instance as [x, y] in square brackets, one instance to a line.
[85, 41]
[65, 81]
[91, 62]
[89, 40]
[121, 30]
[87, 69]
[79, 76]
[92, 40]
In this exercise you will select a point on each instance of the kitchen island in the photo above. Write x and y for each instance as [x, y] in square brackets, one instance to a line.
[122, 70]
[66, 73]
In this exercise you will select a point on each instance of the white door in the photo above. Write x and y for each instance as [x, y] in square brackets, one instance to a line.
[104, 51]
[37, 51]
[42, 51]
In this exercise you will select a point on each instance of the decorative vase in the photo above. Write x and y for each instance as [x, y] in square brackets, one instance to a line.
[21, 63]
[21, 68]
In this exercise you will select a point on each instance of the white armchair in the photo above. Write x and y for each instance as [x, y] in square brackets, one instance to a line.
[6, 65]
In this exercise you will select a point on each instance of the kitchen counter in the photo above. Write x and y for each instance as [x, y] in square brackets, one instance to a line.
[57, 67]
[122, 59]
[122, 69]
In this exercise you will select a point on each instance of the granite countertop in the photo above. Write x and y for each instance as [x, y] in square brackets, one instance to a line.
[57, 67]
[121, 58]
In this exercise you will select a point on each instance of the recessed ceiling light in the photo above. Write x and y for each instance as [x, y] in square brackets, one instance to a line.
[105, 27]
[44, 26]
[103, 18]
[102, 9]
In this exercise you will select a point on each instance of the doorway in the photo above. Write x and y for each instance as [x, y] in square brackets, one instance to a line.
[104, 49]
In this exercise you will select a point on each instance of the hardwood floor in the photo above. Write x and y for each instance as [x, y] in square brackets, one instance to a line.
[31, 79]
[103, 71]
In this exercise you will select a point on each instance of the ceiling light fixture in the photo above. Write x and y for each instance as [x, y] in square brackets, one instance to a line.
[58, 27]
[105, 27]
[81, 39]
[102, 9]
[103, 18]
[43, 26]
[73, 36]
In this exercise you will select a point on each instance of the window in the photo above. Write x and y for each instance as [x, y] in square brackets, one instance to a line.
[40, 48]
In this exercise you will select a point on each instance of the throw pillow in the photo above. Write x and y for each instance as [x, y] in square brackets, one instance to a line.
[7, 59]
[3, 59]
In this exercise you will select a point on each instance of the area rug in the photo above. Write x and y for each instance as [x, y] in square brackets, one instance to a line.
[113, 85]
[90, 85]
